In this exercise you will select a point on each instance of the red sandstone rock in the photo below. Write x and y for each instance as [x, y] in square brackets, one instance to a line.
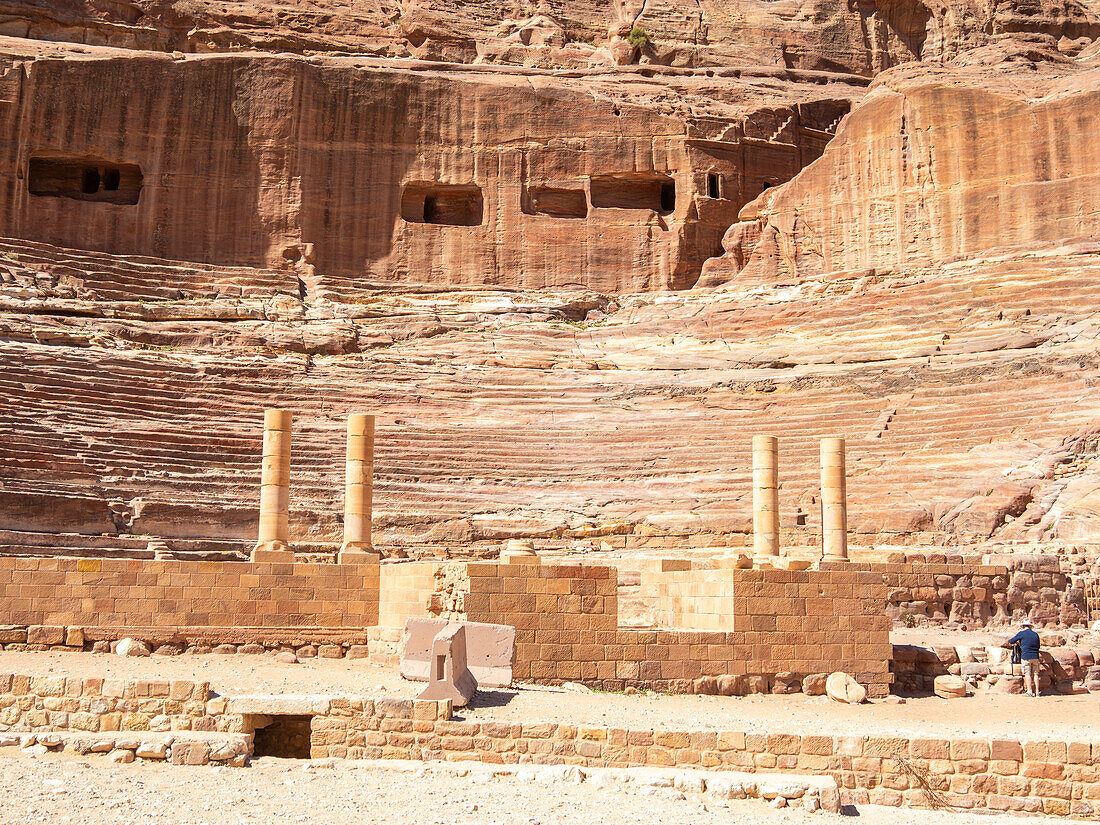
[911, 289]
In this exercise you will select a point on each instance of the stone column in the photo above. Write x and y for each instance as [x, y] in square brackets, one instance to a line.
[358, 491]
[765, 496]
[834, 500]
[271, 544]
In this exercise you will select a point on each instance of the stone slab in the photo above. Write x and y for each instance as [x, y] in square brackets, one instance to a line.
[490, 650]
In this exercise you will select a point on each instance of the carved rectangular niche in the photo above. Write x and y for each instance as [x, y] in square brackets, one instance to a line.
[634, 191]
[556, 202]
[84, 179]
[443, 203]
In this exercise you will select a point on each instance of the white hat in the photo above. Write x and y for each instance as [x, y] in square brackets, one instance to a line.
[1026, 623]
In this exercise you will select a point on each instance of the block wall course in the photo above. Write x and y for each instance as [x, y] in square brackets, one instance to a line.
[565, 636]
[865, 767]
[137, 592]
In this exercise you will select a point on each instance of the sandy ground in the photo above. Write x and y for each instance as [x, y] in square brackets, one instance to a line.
[1050, 717]
[65, 791]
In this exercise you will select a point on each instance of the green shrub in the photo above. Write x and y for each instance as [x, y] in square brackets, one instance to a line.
[638, 37]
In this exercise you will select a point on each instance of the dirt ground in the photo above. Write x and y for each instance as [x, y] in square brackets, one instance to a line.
[65, 791]
[992, 715]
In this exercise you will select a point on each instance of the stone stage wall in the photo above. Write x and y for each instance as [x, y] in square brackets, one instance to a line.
[172, 594]
[783, 625]
[794, 623]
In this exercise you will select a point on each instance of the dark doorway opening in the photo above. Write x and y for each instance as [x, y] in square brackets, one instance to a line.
[284, 736]
[714, 186]
[668, 196]
[90, 181]
[111, 179]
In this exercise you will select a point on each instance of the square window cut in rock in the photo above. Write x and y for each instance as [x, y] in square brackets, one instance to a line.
[84, 179]
[557, 202]
[444, 204]
[634, 191]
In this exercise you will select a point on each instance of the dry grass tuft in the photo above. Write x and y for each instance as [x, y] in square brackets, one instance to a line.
[919, 778]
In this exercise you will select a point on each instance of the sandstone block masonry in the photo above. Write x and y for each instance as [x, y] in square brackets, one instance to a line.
[1053, 777]
[977, 591]
[1056, 777]
[780, 625]
[793, 623]
[141, 593]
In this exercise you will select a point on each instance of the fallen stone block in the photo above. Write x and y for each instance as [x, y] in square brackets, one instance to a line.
[132, 647]
[786, 683]
[843, 688]
[949, 687]
[726, 787]
[1009, 684]
[814, 684]
[189, 753]
[731, 685]
[490, 650]
[153, 750]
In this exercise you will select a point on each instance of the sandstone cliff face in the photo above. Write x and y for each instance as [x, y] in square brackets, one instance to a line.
[353, 168]
[809, 34]
[928, 168]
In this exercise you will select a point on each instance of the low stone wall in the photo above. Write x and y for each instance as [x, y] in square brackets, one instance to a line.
[59, 703]
[977, 591]
[1060, 778]
[787, 625]
[141, 593]
[175, 721]
[158, 720]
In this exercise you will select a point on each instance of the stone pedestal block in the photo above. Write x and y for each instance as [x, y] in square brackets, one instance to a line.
[449, 677]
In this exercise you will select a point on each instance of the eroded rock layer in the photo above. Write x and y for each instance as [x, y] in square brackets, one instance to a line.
[810, 34]
[965, 392]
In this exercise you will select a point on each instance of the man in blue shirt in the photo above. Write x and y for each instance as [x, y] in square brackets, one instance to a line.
[1028, 640]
